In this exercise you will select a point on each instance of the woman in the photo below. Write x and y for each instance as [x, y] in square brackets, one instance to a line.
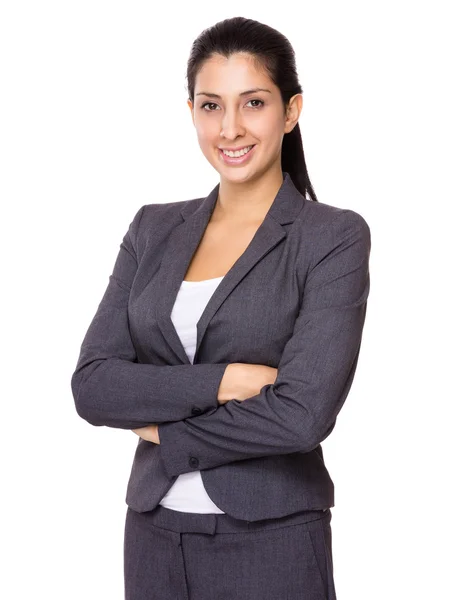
[227, 340]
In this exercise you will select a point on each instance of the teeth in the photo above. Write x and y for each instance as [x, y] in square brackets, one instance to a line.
[237, 153]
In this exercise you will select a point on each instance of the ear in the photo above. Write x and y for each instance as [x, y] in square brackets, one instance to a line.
[190, 104]
[293, 112]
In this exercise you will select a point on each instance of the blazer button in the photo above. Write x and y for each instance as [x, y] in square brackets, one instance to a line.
[196, 410]
[194, 462]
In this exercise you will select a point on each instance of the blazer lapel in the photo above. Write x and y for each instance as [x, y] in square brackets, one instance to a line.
[184, 240]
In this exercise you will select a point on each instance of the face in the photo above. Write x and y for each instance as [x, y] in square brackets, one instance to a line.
[226, 117]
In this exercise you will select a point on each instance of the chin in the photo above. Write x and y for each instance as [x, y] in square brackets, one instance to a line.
[237, 174]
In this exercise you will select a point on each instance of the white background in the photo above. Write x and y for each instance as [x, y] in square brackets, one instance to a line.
[94, 124]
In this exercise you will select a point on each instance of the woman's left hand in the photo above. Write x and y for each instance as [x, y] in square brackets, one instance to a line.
[148, 433]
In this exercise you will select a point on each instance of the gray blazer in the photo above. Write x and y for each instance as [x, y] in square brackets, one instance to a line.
[295, 300]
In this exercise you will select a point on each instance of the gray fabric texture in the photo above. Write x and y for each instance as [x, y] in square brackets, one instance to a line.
[295, 300]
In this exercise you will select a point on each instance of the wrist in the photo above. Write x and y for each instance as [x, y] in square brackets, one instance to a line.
[228, 386]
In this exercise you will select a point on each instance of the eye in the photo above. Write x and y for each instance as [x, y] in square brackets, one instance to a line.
[208, 104]
[214, 104]
[256, 100]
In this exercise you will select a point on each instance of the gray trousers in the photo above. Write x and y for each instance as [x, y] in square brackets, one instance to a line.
[172, 555]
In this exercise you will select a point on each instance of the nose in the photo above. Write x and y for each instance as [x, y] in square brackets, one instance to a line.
[232, 126]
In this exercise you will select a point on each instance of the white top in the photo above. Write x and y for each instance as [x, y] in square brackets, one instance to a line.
[188, 494]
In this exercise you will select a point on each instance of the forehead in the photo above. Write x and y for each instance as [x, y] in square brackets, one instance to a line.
[235, 74]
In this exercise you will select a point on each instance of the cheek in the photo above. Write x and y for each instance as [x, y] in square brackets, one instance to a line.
[273, 131]
[206, 133]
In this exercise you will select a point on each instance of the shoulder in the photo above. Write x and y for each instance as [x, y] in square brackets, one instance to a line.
[158, 215]
[151, 213]
[326, 230]
[317, 215]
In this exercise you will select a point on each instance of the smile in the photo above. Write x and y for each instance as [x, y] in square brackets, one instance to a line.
[238, 157]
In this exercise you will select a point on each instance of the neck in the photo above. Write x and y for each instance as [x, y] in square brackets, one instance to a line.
[247, 201]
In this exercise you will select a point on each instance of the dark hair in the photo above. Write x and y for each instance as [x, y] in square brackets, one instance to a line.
[273, 52]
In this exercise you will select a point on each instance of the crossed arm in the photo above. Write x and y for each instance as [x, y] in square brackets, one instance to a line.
[240, 381]
[295, 413]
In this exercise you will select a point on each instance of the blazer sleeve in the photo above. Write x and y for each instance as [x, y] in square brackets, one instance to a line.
[315, 372]
[110, 387]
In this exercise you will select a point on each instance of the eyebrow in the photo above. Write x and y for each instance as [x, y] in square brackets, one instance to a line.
[253, 91]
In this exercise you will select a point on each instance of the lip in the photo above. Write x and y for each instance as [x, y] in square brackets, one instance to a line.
[236, 160]
[235, 149]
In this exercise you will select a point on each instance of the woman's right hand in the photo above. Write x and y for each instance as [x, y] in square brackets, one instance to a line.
[242, 380]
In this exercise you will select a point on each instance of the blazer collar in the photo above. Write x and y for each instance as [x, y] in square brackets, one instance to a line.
[184, 240]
